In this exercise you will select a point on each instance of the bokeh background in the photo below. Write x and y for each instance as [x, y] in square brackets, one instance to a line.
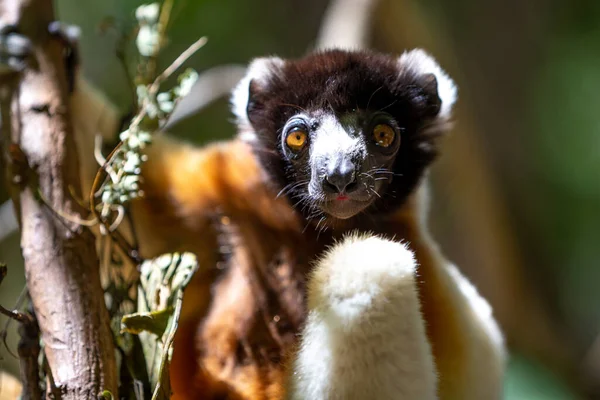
[517, 188]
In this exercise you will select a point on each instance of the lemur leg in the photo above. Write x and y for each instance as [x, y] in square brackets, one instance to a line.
[364, 337]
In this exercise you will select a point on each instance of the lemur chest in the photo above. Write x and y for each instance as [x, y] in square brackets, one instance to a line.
[258, 297]
[257, 306]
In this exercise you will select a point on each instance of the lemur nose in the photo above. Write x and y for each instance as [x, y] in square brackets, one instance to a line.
[341, 177]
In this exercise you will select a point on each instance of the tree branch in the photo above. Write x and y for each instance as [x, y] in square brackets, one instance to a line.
[29, 351]
[346, 24]
[61, 264]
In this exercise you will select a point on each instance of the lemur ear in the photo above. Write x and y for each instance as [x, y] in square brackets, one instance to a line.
[244, 96]
[438, 86]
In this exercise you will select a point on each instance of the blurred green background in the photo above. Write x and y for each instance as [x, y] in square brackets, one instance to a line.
[518, 186]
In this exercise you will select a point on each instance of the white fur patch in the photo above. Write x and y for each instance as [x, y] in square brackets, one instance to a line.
[488, 356]
[479, 306]
[358, 265]
[364, 337]
[259, 70]
[419, 62]
[332, 135]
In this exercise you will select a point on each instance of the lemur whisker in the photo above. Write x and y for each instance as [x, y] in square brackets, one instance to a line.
[317, 226]
[306, 225]
[296, 204]
[388, 106]
[290, 187]
[323, 228]
[366, 174]
[309, 219]
[381, 170]
[388, 172]
[373, 94]
[375, 192]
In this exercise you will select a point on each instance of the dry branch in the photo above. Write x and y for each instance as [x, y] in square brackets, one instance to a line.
[61, 264]
[29, 351]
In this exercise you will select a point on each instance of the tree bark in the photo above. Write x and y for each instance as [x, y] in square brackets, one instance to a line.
[61, 264]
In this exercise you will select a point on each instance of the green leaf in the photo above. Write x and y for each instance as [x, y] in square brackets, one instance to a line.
[160, 296]
[107, 395]
[154, 322]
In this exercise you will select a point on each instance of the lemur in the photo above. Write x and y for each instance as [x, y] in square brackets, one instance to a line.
[318, 278]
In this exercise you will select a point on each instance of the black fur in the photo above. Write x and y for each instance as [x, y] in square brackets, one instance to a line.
[342, 81]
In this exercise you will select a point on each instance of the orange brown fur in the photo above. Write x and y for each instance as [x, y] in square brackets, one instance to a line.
[240, 322]
[192, 195]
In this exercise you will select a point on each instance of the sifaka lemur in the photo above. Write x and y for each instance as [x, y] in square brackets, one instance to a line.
[318, 279]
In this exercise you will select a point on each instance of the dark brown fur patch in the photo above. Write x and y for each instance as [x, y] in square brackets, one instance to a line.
[343, 82]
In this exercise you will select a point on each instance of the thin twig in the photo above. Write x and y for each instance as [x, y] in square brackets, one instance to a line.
[17, 316]
[4, 337]
[71, 218]
[129, 251]
[98, 142]
[17, 305]
[29, 351]
[153, 90]
[197, 45]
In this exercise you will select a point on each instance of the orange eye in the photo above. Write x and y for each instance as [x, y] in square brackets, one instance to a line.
[383, 135]
[296, 139]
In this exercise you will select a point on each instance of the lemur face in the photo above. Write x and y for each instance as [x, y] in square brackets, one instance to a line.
[343, 133]
[345, 160]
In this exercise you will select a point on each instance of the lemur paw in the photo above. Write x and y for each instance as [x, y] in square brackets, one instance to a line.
[15, 49]
[356, 275]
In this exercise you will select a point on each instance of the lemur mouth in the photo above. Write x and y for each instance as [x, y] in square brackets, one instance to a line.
[344, 207]
[344, 204]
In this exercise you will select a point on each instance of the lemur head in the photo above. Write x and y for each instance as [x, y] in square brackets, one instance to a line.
[342, 132]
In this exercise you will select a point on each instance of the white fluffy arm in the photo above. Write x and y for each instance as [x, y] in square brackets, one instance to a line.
[364, 337]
